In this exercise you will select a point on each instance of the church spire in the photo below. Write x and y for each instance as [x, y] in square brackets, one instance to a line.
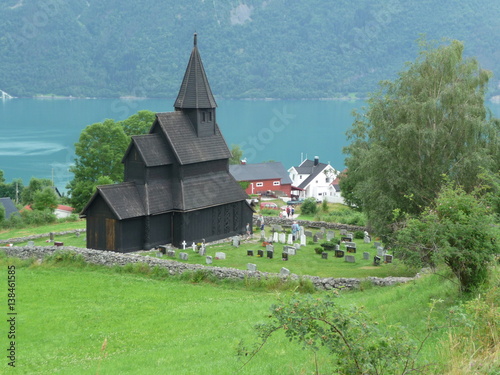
[195, 92]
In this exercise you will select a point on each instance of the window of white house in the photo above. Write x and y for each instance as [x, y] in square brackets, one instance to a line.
[259, 184]
[276, 183]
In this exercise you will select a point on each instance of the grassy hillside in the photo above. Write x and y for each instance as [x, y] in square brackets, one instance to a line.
[251, 48]
[80, 319]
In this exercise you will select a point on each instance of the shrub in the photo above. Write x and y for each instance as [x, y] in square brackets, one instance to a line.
[309, 207]
[318, 250]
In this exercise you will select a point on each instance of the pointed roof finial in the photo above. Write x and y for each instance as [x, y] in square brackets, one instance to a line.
[195, 39]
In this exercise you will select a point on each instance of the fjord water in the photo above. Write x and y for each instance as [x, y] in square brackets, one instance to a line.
[37, 136]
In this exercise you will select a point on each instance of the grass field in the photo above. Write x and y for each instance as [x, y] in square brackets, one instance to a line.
[90, 320]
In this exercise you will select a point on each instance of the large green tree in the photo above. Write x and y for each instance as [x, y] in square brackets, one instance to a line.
[45, 199]
[36, 185]
[431, 121]
[457, 230]
[139, 123]
[99, 151]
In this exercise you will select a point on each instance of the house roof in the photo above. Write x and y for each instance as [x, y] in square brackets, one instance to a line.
[308, 167]
[187, 146]
[195, 91]
[260, 171]
[10, 207]
[152, 149]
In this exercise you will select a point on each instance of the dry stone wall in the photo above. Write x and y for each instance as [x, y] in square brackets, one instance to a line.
[287, 222]
[110, 259]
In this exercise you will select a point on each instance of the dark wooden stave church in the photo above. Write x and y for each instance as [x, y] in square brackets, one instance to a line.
[177, 182]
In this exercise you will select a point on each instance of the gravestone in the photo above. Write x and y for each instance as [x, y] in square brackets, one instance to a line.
[220, 255]
[336, 247]
[277, 228]
[275, 237]
[58, 244]
[380, 251]
[367, 239]
[236, 241]
[262, 235]
[252, 267]
[303, 240]
[250, 253]
[308, 233]
[269, 248]
[343, 232]
[171, 253]
[351, 249]
[31, 244]
[208, 259]
[322, 229]
[350, 259]
[183, 256]
[387, 258]
[270, 254]
[324, 255]
[319, 234]
[284, 271]
[351, 244]
[290, 250]
[366, 256]
[51, 236]
[376, 260]
[339, 253]
[77, 234]
[282, 237]
[162, 249]
[297, 246]
[284, 256]
[202, 251]
[376, 244]
[315, 238]
[290, 239]
[330, 235]
[194, 247]
[184, 243]
[344, 238]
[301, 231]
[260, 253]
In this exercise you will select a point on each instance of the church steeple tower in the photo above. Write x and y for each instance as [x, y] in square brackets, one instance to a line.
[195, 96]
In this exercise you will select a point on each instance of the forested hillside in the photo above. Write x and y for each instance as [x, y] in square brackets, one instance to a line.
[250, 48]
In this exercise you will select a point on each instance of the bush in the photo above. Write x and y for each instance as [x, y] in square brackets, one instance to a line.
[309, 207]
[318, 250]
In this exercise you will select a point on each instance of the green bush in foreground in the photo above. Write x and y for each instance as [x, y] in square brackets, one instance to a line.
[357, 343]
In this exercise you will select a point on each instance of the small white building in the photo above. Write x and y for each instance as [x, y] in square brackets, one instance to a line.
[317, 180]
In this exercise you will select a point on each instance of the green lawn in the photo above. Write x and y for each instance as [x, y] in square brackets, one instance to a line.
[29, 231]
[66, 314]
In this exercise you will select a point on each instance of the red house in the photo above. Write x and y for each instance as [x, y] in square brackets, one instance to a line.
[263, 178]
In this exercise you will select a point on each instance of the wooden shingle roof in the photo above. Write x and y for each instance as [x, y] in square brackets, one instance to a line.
[124, 199]
[153, 149]
[210, 190]
[195, 91]
[188, 147]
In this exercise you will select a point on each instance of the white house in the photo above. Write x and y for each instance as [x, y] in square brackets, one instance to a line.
[314, 179]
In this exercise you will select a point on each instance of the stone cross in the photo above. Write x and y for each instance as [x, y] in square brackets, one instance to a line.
[183, 245]
[193, 246]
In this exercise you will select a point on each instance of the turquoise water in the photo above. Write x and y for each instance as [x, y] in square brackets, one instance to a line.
[37, 136]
